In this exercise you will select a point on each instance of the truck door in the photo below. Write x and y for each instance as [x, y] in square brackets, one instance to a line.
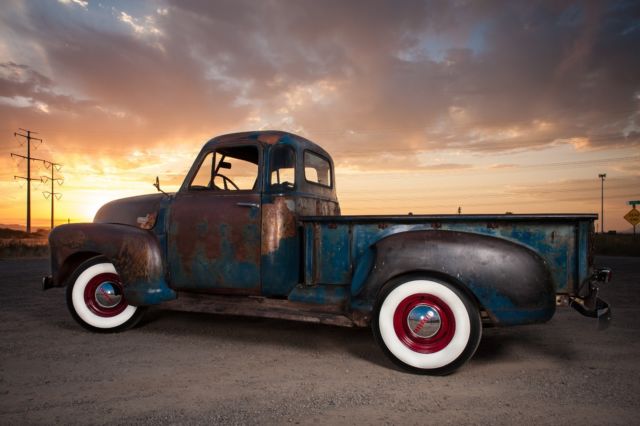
[214, 224]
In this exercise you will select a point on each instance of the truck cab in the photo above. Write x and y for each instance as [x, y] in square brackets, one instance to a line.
[233, 223]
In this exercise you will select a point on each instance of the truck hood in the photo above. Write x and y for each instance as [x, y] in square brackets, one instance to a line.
[140, 211]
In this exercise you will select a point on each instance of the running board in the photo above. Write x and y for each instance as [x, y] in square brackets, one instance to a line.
[259, 307]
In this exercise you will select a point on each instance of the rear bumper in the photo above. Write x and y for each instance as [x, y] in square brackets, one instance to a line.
[599, 309]
[591, 305]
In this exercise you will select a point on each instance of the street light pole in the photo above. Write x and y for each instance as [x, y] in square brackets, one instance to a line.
[602, 176]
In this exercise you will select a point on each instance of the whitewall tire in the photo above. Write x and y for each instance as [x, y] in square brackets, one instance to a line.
[426, 325]
[96, 299]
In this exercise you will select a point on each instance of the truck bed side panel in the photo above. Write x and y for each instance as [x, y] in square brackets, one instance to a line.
[560, 240]
[560, 243]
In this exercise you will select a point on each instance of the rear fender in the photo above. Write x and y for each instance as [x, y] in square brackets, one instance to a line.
[134, 252]
[510, 281]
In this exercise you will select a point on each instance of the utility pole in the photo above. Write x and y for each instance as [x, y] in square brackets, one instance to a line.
[602, 177]
[28, 178]
[54, 195]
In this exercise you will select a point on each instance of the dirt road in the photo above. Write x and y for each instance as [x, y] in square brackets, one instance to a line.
[205, 369]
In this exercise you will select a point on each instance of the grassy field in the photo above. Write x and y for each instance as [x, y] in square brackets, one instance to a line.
[20, 244]
[15, 243]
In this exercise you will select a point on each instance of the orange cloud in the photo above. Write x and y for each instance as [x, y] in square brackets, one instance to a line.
[450, 94]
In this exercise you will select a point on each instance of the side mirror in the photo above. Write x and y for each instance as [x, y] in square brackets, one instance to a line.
[157, 185]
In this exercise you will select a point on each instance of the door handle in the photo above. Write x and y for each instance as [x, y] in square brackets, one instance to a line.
[254, 205]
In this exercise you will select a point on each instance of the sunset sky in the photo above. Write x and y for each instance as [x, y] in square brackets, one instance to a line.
[425, 105]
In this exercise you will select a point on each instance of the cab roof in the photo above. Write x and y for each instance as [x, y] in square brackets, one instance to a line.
[266, 137]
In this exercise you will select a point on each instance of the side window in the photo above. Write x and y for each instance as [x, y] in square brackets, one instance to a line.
[228, 169]
[282, 168]
[317, 169]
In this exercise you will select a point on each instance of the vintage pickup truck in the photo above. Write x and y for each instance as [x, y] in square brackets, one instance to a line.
[255, 229]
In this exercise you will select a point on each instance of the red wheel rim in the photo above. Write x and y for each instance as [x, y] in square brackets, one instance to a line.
[424, 323]
[103, 295]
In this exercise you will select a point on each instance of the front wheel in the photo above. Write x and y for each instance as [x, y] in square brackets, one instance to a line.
[426, 326]
[95, 298]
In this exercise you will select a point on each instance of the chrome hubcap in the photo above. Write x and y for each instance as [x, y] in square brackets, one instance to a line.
[424, 321]
[108, 295]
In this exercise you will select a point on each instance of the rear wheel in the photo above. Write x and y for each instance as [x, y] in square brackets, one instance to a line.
[426, 325]
[96, 299]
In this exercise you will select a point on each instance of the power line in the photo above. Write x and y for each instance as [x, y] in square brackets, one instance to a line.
[28, 178]
[54, 195]
[54, 166]
[532, 190]
[454, 203]
[398, 174]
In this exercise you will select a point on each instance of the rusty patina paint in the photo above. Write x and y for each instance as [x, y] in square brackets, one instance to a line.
[269, 138]
[360, 318]
[280, 215]
[148, 221]
[72, 240]
[280, 246]
[134, 252]
[128, 211]
[214, 241]
[310, 206]
[209, 233]
[135, 261]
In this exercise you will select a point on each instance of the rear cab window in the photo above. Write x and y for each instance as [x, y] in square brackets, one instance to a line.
[317, 169]
[282, 168]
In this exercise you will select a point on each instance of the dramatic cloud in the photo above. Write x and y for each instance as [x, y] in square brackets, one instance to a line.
[423, 75]
[376, 82]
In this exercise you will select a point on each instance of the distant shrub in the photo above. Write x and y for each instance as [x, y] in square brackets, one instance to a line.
[15, 243]
[18, 248]
[6, 233]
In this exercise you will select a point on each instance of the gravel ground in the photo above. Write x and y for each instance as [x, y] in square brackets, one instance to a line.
[184, 368]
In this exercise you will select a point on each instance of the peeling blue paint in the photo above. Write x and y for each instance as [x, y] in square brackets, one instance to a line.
[363, 267]
[144, 293]
[319, 294]
[555, 242]
[334, 256]
[280, 269]
[562, 246]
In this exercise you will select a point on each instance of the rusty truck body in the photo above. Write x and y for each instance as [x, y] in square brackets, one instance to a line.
[256, 229]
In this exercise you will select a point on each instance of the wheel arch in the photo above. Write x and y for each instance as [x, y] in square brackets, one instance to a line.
[429, 274]
[135, 254]
[509, 281]
[71, 263]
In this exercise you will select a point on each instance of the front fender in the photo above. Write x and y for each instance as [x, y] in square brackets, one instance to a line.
[134, 252]
[510, 281]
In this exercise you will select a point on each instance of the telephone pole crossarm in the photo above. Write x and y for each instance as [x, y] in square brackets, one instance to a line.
[28, 135]
[22, 177]
[31, 158]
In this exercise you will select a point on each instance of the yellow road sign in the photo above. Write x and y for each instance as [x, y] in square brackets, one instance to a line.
[633, 217]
